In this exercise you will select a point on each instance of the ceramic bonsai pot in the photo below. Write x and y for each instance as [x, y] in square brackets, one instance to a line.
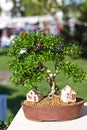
[53, 113]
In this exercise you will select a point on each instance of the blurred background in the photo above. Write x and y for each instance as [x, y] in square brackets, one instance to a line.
[62, 17]
[65, 18]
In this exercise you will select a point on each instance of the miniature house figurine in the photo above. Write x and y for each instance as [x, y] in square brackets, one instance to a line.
[34, 96]
[68, 94]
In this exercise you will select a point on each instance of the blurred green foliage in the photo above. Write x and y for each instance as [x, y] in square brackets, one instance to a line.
[35, 7]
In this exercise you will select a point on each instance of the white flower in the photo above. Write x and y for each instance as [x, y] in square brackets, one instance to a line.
[22, 51]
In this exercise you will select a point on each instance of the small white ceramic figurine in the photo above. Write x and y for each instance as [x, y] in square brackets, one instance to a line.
[68, 94]
[34, 96]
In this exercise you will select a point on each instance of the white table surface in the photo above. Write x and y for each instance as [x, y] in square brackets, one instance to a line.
[21, 123]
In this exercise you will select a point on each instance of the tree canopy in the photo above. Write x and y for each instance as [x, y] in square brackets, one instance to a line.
[31, 51]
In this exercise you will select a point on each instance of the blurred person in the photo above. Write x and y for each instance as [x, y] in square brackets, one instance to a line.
[46, 28]
[34, 27]
[12, 35]
[71, 25]
[59, 28]
[46, 31]
[27, 27]
[5, 40]
[53, 29]
[23, 31]
[17, 30]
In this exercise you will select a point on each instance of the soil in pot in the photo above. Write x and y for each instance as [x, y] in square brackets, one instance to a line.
[52, 109]
[54, 101]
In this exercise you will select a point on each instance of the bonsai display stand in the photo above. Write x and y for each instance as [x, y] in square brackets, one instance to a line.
[21, 123]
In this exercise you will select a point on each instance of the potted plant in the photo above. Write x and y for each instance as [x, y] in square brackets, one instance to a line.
[30, 52]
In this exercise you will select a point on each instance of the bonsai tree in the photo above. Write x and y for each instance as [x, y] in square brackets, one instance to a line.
[31, 50]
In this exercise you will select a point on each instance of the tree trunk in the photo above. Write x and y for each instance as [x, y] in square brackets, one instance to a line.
[50, 79]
